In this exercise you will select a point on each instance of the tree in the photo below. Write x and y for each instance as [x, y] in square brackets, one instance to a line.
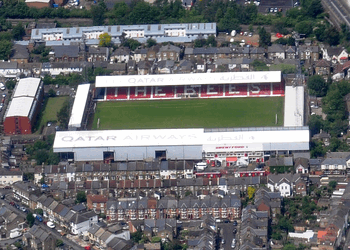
[259, 65]
[289, 247]
[18, 31]
[136, 237]
[314, 8]
[188, 193]
[251, 192]
[97, 12]
[211, 41]
[151, 42]
[319, 32]
[317, 149]
[59, 243]
[333, 36]
[30, 219]
[5, 50]
[28, 176]
[317, 86]
[304, 27]
[39, 211]
[63, 115]
[81, 197]
[131, 44]
[52, 93]
[332, 184]
[316, 123]
[198, 43]
[264, 38]
[105, 40]
[10, 84]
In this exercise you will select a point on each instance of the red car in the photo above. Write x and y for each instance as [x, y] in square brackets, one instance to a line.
[12, 203]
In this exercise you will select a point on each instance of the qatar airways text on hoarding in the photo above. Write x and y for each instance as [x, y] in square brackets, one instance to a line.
[189, 79]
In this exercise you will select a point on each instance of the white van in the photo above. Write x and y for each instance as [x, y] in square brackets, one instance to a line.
[15, 234]
[201, 165]
[2, 86]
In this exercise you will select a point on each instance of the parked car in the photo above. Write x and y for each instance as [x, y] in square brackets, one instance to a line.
[12, 203]
[222, 241]
[38, 217]
[235, 223]
[50, 224]
[15, 234]
[23, 209]
[2, 86]
[233, 244]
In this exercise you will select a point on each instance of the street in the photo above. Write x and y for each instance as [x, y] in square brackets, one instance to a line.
[226, 233]
[66, 241]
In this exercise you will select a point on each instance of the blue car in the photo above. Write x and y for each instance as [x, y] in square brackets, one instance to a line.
[39, 218]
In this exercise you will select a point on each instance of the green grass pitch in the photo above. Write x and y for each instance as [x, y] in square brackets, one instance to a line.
[190, 113]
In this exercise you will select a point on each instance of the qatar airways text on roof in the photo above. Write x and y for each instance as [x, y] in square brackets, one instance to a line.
[189, 79]
[164, 137]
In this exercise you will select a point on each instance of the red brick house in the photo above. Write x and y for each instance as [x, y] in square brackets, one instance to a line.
[98, 203]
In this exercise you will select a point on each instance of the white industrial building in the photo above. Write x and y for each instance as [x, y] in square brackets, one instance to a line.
[294, 106]
[178, 33]
[172, 144]
[79, 106]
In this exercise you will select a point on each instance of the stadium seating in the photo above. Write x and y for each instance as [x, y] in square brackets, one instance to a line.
[263, 89]
[163, 92]
[236, 90]
[278, 89]
[187, 90]
[140, 92]
[212, 90]
[111, 94]
[117, 94]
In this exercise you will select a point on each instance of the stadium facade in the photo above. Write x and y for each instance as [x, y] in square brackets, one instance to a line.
[201, 85]
[180, 144]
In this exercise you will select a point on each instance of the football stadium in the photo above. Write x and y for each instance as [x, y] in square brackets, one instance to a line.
[187, 116]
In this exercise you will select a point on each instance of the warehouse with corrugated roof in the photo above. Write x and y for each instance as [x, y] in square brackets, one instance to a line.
[24, 107]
